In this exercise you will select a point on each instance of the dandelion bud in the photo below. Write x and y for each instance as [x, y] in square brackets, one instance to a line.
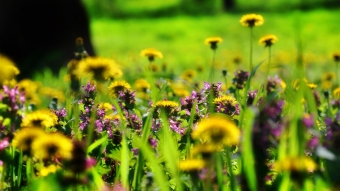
[224, 72]
[336, 57]
[326, 94]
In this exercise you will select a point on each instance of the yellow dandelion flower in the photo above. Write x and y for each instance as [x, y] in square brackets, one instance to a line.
[166, 104]
[296, 83]
[153, 67]
[30, 88]
[206, 149]
[52, 93]
[251, 20]
[213, 41]
[226, 99]
[336, 56]
[43, 118]
[283, 84]
[117, 86]
[336, 93]
[227, 104]
[8, 70]
[51, 146]
[46, 170]
[180, 89]
[141, 85]
[191, 165]
[312, 86]
[10, 83]
[72, 66]
[106, 106]
[268, 40]
[295, 164]
[151, 53]
[99, 69]
[24, 137]
[217, 129]
[328, 76]
[188, 75]
[326, 85]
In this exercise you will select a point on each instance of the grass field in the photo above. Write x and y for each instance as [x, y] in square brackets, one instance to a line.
[180, 39]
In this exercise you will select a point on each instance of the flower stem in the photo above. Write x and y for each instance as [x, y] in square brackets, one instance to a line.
[211, 74]
[269, 59]
[230, 168]
[337, 72]
[251, 50]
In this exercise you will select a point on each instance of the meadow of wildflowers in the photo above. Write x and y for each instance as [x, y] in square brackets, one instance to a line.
[104, 126]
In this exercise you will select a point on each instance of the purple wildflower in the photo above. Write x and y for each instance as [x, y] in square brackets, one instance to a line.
[4, 143]
[153, 142]
[251, 97]
[308, 121]
[127, 99]
[134, 122]
[313, 143]
[273, 83]
[240, 79]
[176, 126]
[13, 98]
[156, 125]
[135, 151]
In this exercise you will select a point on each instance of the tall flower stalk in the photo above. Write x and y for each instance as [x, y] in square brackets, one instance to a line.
[268, 41]
[336, 57]
[251, 20]
[212, 41]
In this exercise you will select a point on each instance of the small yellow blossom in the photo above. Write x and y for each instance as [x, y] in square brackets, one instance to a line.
[217, 129]
[24, 137]
[52, 146]
[312, 86]
[151, 53]
[213, 41]
[251, 20]
[206, 149]
[188, 75]
[336, 93]
[268, 40]
[44, 171]
[191, 165]
[8, 70]
[52, 93]
[43, 118]
[99, 69]
[166, 104]
[336, 56]
[328, 76]
[117, 86]
[295, 164]
[180, 89]
[141, 85]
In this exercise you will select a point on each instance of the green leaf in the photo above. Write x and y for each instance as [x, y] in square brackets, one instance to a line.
[124, 165]
[96, 144]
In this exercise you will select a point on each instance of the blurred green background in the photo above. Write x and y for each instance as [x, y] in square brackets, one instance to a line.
[178, 28]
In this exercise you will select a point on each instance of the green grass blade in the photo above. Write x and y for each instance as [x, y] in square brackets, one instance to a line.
[170, 151]
[97, 143]
[124, 164]
[247, 152]
[158, 173]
